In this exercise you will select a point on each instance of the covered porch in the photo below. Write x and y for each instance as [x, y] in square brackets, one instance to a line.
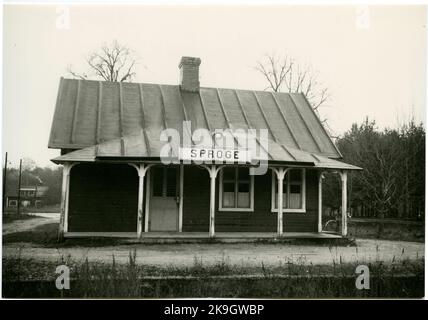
[143, 214]
[204, 205]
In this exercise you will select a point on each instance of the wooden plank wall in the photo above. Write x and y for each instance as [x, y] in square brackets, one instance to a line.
[196, 206]
[103, 198]
[305, 222]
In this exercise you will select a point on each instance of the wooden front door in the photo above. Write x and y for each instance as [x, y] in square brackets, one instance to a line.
[164, 199]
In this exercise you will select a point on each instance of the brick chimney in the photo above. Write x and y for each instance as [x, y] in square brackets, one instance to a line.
[189, 73]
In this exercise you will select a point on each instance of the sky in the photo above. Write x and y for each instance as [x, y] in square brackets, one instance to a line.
[372, 59]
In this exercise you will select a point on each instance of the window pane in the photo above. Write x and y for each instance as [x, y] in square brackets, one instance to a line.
[243, 174]
[296, 175]
[228, 187]
[236, 188]
[243, 199]
[229, 174]
[157, 181]
[244, 187]
[171, 182]
[228, 199]
[295, 188]
[295, 201]
[285, 200]
[244, 195]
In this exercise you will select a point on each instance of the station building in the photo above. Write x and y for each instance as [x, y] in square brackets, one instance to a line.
[115, 183]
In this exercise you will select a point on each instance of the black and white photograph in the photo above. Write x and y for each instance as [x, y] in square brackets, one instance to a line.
[180, 151]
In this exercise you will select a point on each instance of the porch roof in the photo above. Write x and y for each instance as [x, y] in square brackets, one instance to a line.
[147, 147]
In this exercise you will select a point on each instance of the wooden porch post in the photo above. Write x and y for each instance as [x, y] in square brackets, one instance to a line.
[320, 177]
[180, 206]
[147, 206]
[142, 169]
[141, 176]
[212, 170]
[344, 176]
[63, 219]
[213, 175]
[280, 173]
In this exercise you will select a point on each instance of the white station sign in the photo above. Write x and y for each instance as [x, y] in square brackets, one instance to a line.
[215, 155]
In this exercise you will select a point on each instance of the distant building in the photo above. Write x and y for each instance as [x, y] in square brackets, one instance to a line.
[30, 196]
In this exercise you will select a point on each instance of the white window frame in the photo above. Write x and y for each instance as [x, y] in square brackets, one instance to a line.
[220, 198]
[12, 205]
[275, 182]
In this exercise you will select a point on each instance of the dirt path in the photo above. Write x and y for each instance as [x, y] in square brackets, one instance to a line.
[29, 224]
[238, 254]
[235, 254]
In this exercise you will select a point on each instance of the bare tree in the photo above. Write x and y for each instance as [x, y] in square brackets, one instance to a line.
[28, 164]
[282, 73]
[114, 63]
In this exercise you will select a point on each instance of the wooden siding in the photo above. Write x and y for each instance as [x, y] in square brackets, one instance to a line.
[103, 198]
[261, 219]
[305, 222]
[196, 206]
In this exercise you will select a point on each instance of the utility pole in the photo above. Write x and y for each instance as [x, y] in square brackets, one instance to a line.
[19, 185]
[35, 197]
[4, 183]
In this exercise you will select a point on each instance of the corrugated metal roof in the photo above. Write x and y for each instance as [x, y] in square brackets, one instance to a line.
[89, 113]
[145, 146]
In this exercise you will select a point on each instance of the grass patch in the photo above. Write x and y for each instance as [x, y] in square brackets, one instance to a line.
[91, 242]
[45, 234]
[389, 231]
[31, 278]
[385, 231]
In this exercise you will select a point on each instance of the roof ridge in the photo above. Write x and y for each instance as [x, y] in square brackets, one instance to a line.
[177, 85]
